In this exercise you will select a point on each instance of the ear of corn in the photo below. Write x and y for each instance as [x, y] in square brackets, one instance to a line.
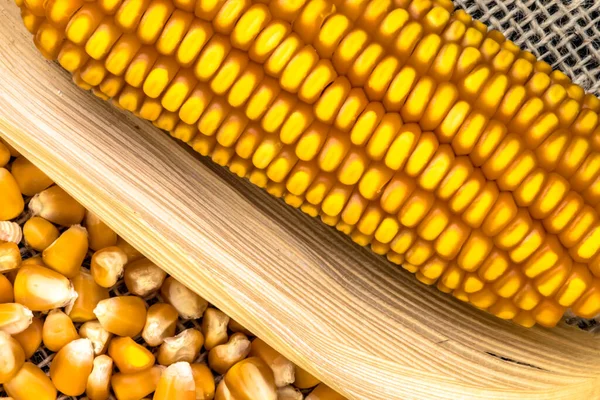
[405, 125]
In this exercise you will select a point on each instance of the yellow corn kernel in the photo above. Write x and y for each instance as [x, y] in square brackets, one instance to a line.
[89, 294]
[187, 303]
[223, 392]
[122, 315]
[283, 369]
[66, 254]
[98, 383]
[4, 154]
[143, 277]
[236, 327]
[304, 380]
[12, 356]
[99, 336]
[578, 281]
[214, 328]
[204, 380]
[31, 338]
[588, 305]
[58, 331]
[130, 251]
[527, 298]
[10, 257]
[42, 289]
[176, 382]
[100, 235]
[39, 233]
[30, 383]
[31, 179]
[289, 393]
[183, 347]
[137, 385]
[107, 266]
[323, 392]
[11, 200]
[251, 379]
[161, 322]
[548, 313]
[6, 290]
[72, 366]
[129, 356]
[55, 205]
[224, 356]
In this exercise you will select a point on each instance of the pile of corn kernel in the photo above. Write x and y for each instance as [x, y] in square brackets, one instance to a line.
[83, 313]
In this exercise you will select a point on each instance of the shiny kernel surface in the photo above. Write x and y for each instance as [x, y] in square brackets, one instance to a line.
[380, 118]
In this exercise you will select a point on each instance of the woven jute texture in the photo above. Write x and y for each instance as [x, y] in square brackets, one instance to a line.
[564, 33]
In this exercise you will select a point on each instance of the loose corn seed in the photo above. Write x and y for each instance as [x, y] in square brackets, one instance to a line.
[223, 392]
[6, 290]
[322, 392]
[143, 277]
[235, 326]
[14, 318]
[214, 328]
[98, 383]
[31, 179]
[56, 206]
[30, 339]
[107, 266]
[161, 323]
[137, 385]
[66, 254]
[129, 356]
[304, 380]
[89, 294]
[99, 336]
[10, 257]
[11, 201]
[10, 232]
[4, 155]
[130, 251]
[204, 381]
[12, 357]
[30, 383]
[289, 393]
[100, 235]
[122, 315]
[58, 331]
[251, 379]
[176, 382]
[72, 366]
[283, 369]
[42, 289]
[183, 347]
[224, 356]
[39, 233]
[187, 303]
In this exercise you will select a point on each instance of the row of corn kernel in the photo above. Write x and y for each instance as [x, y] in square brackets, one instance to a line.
[558, 283]
[418, 255]
[107, 343]
[166, 120]
[582, 172]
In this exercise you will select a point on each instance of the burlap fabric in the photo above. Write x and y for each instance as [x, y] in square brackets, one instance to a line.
[564, 33]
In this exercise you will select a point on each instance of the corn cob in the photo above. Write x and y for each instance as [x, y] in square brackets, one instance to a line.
[405, 125]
